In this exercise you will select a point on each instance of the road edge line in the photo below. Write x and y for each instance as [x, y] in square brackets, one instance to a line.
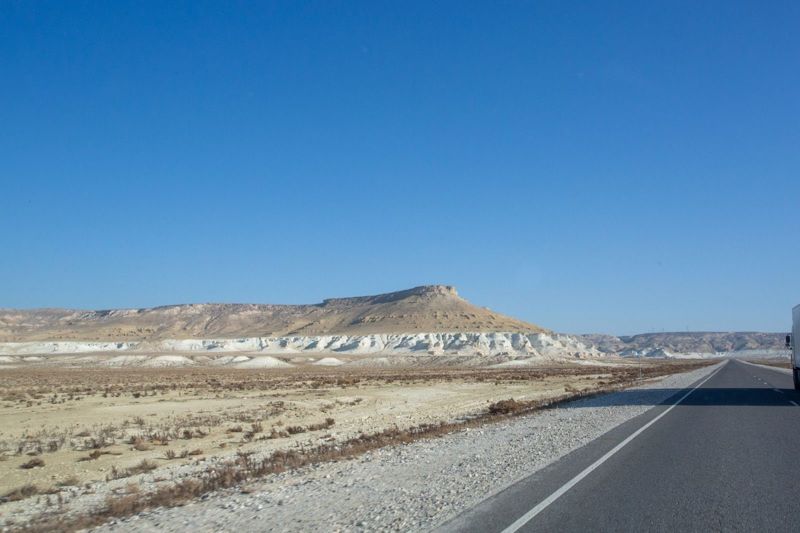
[767, 367]
[544, 504]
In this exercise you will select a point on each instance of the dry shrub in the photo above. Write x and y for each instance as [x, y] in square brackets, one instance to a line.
[95, 454]
[327, 424]
[33, 463]
[504, 407]
[124, 505]
[20, 493]
[142, 467]
[71, 481]
[277, 434]
[176, 494]
[140, 445]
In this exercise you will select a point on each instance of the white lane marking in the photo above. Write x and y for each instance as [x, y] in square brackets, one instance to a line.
[794, 403]
[544, 504]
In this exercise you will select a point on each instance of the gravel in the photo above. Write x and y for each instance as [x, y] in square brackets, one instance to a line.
[412, 487]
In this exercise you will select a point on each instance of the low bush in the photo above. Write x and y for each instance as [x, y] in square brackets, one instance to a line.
[504, 407]
[33, 463]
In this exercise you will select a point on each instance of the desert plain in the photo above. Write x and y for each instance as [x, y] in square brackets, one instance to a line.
[75, 427]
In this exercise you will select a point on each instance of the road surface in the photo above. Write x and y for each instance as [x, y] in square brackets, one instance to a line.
[721, 456]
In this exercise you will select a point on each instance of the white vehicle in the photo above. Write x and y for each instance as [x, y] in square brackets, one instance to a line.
[791, 342]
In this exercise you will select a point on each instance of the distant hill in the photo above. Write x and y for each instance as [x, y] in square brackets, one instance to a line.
[687, 342]
[426, 309]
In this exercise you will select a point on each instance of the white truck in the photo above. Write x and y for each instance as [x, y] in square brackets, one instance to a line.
[791, 342]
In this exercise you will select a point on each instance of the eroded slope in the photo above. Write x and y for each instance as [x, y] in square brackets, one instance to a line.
[426, 309]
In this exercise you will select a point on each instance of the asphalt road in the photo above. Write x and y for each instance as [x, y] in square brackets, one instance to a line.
[724, 458]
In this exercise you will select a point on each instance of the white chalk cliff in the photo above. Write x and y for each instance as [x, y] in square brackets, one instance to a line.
[543, 345]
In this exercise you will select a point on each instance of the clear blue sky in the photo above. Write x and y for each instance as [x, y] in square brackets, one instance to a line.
[590, 166]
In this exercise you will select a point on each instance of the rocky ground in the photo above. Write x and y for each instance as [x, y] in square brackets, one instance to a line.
[413, 487]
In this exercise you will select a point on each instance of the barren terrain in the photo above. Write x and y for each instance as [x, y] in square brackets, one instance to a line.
[68, 432]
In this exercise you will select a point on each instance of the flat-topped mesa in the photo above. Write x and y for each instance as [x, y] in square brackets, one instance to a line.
[424, 309]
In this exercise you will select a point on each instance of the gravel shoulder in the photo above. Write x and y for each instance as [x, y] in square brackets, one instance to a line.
[413, 487]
